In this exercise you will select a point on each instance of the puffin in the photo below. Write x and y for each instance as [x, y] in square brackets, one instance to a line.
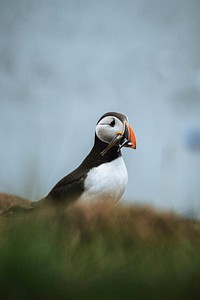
[102, 175]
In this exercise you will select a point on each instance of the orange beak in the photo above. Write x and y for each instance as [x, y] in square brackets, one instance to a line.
[130, 135]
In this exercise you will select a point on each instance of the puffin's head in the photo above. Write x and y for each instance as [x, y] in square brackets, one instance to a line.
[114, 130]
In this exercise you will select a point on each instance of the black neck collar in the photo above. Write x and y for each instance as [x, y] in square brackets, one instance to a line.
[95, 158]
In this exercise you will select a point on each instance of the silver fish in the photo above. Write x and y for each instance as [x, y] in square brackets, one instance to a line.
[114, 142]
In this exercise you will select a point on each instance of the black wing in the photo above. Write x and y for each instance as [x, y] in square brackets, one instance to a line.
[68, 189]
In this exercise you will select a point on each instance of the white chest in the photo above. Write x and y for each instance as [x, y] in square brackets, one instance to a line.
[107, 181]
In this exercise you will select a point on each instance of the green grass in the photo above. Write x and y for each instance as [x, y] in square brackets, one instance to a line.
[99, 251]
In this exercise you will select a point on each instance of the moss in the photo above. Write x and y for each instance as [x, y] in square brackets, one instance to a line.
[99, 251]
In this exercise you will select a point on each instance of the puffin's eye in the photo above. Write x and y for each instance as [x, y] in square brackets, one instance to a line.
[112, 124]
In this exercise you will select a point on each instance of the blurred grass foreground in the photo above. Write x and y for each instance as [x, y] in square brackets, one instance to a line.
[99, 251]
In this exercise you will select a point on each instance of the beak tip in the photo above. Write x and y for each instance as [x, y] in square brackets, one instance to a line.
[133, 146]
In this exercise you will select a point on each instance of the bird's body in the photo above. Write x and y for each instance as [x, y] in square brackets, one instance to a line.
[107, 180]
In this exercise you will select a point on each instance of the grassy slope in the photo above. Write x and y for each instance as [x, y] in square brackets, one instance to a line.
[99, 251]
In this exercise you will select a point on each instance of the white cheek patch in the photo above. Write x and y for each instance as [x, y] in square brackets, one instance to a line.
[105, 132]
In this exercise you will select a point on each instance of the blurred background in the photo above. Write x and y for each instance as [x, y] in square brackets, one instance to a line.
[64, 63]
